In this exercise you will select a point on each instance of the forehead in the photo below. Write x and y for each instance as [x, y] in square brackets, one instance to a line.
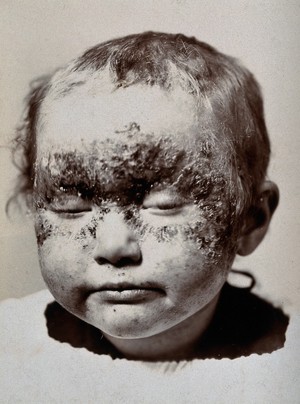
[92, 115]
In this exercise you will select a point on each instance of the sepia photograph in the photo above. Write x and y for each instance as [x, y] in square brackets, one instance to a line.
[149, 201]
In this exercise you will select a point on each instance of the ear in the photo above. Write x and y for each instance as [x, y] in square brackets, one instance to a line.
[258, 218]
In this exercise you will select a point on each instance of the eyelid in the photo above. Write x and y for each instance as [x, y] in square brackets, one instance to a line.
[163, 201]
[70, 205]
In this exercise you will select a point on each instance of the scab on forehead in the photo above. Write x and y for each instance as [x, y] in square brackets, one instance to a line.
[114, 165]
[129, 164]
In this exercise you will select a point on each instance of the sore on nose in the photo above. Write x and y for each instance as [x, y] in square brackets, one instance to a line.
[116, 242]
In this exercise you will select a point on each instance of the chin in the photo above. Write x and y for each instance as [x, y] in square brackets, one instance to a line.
[128, 328]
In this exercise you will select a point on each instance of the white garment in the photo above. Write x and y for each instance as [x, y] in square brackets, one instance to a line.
[38, 369]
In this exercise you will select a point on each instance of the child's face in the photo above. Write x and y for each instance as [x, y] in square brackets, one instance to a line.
[133, 214]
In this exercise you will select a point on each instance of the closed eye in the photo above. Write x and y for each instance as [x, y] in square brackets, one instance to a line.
[164, 202]
[70, 207]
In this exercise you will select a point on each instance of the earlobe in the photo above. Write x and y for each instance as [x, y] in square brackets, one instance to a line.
[258, 218]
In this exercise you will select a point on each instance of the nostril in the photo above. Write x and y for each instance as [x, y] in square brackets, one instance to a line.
[124, 262]
[101, 260]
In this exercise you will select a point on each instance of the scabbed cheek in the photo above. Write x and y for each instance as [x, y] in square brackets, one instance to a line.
[197, 238]
[50, 229]
[202, 228]
[43, 229]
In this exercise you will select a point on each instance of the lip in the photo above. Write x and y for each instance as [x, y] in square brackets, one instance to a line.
[123, 293]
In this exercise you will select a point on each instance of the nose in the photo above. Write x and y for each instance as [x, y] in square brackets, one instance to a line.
[116, 242]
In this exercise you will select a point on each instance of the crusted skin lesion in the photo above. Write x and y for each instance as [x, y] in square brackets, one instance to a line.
[110, 169]
[124, 168]
[43, 230]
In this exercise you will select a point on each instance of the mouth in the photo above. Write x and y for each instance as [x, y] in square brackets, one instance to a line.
[124, 293]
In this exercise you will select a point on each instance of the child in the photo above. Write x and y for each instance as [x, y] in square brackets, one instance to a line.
[144, 165]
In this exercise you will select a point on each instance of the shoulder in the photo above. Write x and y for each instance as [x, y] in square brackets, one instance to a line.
[34, 302]
[34, 366]
[22, 321]
[244, 324]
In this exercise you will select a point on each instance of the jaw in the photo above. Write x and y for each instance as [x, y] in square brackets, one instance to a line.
[175, 343]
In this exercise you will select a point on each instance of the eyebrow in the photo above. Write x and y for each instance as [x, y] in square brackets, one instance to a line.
[98, 177]
[89, 186]
[142, 161]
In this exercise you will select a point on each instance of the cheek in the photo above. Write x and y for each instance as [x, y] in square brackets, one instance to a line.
[191, 277]
[77, 232]
[193, 259]
[64, 249]
[63, 264]
[214, 242]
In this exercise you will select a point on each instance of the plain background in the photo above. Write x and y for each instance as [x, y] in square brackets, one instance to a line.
[39, 35]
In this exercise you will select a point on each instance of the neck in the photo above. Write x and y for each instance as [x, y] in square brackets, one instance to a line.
[176, 343]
